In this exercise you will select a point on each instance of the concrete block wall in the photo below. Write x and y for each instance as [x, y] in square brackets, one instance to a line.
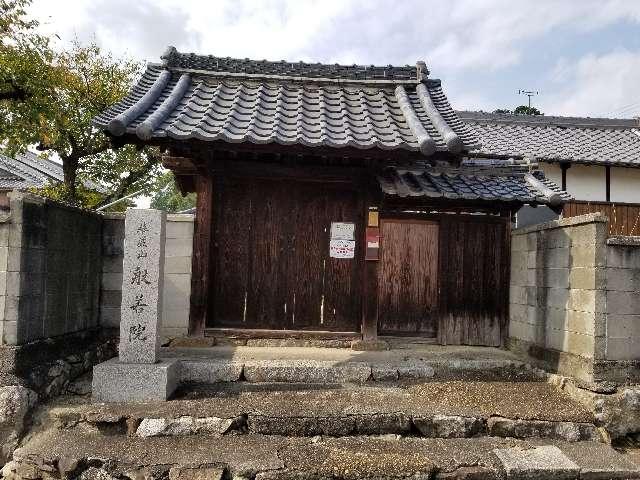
[49, 270]
[177, 273]
[574, 302]
[623, 299]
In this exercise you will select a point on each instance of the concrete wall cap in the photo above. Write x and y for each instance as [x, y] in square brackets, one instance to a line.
[564, 222]
[624, 241]
[113, 215]
[25, 196]
[180, 217]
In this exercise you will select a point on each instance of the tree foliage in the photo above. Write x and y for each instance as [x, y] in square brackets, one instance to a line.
[24, 53]
[52, 108]
[167, 196]
[521, 110]
[526, 110]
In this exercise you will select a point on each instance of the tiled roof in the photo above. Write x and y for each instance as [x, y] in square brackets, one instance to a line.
[557, 139]
[244, 101]
[28, 170]
[490, 184]
[176, 60]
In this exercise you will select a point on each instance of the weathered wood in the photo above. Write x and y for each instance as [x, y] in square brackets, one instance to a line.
[308, 252]
[408, 278]
[273, 269]
[201, 260]
[370, 307]
[474, 278]
[231, 268]
[342, 288]
[268, 255]
[247, 333]
[624, 218]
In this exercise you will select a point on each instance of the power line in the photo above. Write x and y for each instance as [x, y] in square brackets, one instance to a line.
[623, 108]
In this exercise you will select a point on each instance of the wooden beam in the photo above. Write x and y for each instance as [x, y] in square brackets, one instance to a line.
[201, 261]
[195, 148]
[564, 167]
[607, 170]
[370, 304]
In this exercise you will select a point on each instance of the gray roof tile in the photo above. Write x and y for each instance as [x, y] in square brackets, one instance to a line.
[28, 170]
[556, 139]
[508, 184]
[174, 59]
[331, 106]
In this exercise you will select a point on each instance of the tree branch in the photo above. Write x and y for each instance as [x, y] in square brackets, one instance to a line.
[130, 180]
[15, 92]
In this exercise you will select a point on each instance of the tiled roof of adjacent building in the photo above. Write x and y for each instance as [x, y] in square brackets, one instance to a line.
[556, 139]
[28, 170]
[507, 184]
[245, 101]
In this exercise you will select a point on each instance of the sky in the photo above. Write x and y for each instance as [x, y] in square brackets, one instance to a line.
[582, 56]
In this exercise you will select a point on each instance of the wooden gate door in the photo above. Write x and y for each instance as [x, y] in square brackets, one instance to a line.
[408, 278]
[271, 265]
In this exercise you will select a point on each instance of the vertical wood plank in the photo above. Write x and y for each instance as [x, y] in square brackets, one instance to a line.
[230, 254]
[408, 278]
[474, 281]
[201, 261]
[622, 217]
[269, 251]
[305, 274]
[342, 288]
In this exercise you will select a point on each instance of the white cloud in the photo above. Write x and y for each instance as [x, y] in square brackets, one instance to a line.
[457, 38]
[452, 34]
[598, 85]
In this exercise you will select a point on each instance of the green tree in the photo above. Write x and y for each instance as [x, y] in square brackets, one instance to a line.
[526, 110]
[521, 110]
[167, 196]
[53, 108]
[23, 53]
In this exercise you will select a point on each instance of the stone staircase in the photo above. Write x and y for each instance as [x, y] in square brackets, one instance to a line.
[372, 417]
[453, 429]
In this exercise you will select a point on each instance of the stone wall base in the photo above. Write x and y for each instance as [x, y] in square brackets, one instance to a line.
[47, 366]
[554, 361]
[584, 369]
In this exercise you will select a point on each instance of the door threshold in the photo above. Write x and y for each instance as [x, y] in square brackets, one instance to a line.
[250, 333]
[401, 339]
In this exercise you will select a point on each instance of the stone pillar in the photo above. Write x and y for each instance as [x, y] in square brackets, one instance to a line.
[139, 374]
[142, 285]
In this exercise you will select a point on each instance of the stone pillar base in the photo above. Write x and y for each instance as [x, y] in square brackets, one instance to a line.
[114, 381]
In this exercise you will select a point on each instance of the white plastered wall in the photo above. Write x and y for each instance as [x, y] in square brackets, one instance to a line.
[553, 172]
[625, 185]
[587, 182]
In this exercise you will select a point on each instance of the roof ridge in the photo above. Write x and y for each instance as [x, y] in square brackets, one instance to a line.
[173, 59]
[547, 120]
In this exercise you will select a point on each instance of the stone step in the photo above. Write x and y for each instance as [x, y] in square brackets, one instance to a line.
[450, 409]
[72, 454]
[207, 370]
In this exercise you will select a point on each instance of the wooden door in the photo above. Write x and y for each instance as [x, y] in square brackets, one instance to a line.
[408, 278]
[271, 265]
[474, 283]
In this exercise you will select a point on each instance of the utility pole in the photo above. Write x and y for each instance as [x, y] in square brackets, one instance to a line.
[528, 93]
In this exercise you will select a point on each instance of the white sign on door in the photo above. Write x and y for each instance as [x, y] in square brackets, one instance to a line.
[342, 248]
[342, 231]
